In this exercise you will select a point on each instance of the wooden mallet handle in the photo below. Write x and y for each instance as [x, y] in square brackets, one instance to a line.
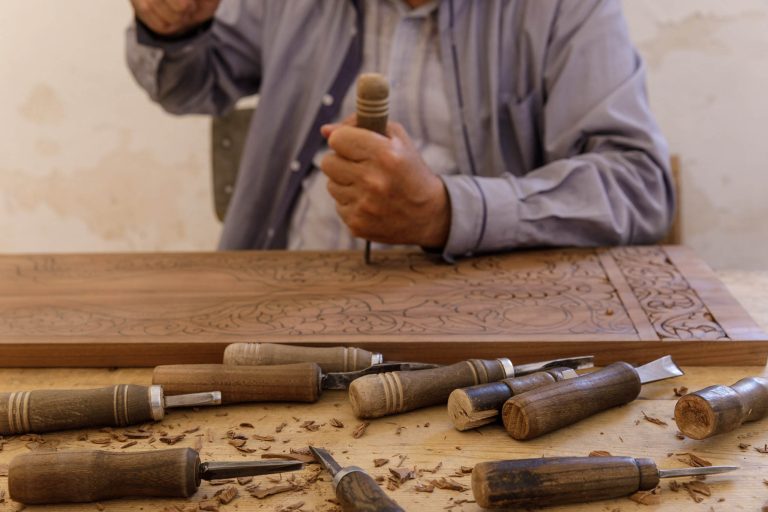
[373, 396]
[85, 476]
[480, 405]
[63, 409]
[298, 382]
[372, 102]
[554, 481]
[551, 407]
[357, 491]
[719, 409]
[330, 359]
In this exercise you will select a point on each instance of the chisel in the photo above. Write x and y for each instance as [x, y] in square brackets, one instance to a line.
[47, 410]
[300, 382]
[355, 489]
[551, 407]
[382, 394]
[480, 405]
[85, 476]
[330, 359]
[719, 409]
[542, 482]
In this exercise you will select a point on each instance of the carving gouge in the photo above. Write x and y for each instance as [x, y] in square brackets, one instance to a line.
[551, 407]
[480, 405]
[300, 382]
[114, 406]
[542, 482]
[84, 476]
[355, 489]
[719, 409]
[330, 359]
[382, 394]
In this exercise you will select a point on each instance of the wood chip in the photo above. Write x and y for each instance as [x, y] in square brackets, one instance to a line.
[697, 490]
[402, 474]
[245, 449]
[744, 446]
[237, 443]
[222, 481]
[434, 469]
[764, 449]
[291, 507]
[172, 439]
[227, 494]
[192, 430]
[693, 460]
[652, 497]
[263, 438]
[246, 425]
[244, 480]
[209, 505]
[275, 489]
[681, 392]
[360, 430]
[280, 427]
[466, 469]
[655, 421]
[380, 462]
[129, 444]
[310, 425]
[422, 487]
[336, 423]
[137, 434]
[452, 485]
[600, 453]
[674, 486]
[101, 440]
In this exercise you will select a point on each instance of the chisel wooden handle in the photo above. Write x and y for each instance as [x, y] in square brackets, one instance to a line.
[83, 476]
[358, 492]
[298, 382]
[548, 408]
[62, 409]
[719, 409]
[559, 480]
[480, 405]
[373, 396]
[330, 359]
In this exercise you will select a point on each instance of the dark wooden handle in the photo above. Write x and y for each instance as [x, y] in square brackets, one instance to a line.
[84, 476]
[559, 480]
[548, 408]
[298, 382]
[358, 492]
[719, 409]
[373, 396]
[372, 102]
[330, 359]
[480, 405]
[50, 410]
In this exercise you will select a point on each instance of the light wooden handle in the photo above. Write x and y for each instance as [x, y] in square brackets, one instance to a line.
[50, 410]
[358, 492]
[373, 396]
[480, 405]
[548, 408]
[719, 409]
[298, 382]
[554, 481]
[330, 359]
[84, 476]
[372, 102]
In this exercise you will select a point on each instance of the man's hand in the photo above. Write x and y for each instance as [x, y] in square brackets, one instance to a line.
[173, 17]
[383, 189]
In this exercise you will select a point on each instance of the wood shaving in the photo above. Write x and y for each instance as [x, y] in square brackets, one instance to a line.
[744, 446]
[379, 478]
[210, 505]
[433, 470]
[401, 475]
[422, 487]
[452, 485]
[223, 481]
[237, 443]
[275, 489]
[402, 459]
[263, 438]
[101, 440]
[652, 497]
[693, 460]
[129, 444]
[227, 494]
[245, 449]
[192, 430]
[655, 421]
[466, 469]
[246, 425]
[600, 453]
[360, 430]
[172, 439]
[764, 449]
[291, 507]
[310, 425]
[280, 427]
[336, 423]
[682, 391]
[380, 462]
[244, 480]
[696, 489]
[674, 486]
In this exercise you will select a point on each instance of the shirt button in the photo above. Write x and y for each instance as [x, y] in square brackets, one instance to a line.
[295, 166]
[327, 100]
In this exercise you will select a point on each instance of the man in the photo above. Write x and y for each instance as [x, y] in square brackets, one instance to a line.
[523, 122]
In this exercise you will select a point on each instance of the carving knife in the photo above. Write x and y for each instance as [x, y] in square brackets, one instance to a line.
[86, 476]
[48, 410]
[373, 396]
[542, 410]
[330, 359]
[533, 483]
[719, 409]
[355, 489]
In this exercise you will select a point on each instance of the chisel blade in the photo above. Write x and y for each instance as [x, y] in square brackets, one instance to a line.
[325, 458]
[660, 369]
[221, 470]
[574, 363]
[341, 380]
[707, 470]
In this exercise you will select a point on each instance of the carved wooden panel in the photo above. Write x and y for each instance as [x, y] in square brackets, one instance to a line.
[146, 309]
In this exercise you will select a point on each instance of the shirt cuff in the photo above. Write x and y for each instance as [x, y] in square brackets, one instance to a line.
[147, 37]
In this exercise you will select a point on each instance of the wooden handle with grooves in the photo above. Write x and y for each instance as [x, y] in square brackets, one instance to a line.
[63, 409]
[719, 409]
[373, 102]
[480, 405]
[85, 476]
[551, 407]
[560, 480]
[330, 359]
[373, 396]
[358, 492]
[298, 382]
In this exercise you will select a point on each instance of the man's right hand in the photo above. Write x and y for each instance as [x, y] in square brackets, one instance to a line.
[174, 17]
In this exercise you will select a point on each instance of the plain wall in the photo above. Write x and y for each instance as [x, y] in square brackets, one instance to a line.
[88, 163]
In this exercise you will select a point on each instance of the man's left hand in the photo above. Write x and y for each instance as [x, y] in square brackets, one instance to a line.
[384, 191]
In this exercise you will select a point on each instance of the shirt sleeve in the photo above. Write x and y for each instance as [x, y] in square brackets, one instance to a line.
[205, 71]
[605, 178]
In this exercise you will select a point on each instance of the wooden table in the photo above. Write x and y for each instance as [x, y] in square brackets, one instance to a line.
[426, 439]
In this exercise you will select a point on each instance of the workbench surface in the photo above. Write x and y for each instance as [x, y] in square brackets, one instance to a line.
[426, 439]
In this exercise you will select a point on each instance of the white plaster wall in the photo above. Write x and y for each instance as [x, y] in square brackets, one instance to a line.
[87, 163]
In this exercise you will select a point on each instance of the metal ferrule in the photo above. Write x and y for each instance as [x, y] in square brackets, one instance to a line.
[156, 405]
[344, 472]
[509, 368]
[376, 358]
